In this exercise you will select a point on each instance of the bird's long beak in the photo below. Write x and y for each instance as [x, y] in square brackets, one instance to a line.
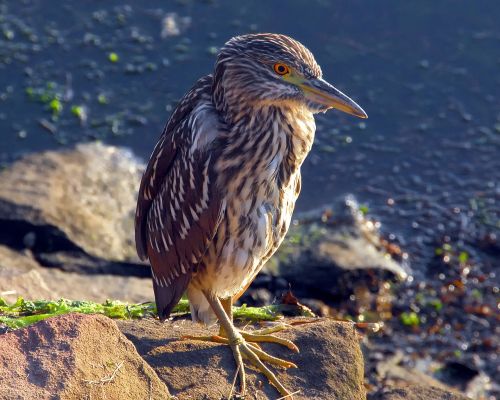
[320, 91]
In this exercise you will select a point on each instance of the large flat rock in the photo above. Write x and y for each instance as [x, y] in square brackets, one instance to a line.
[331, 251]
[419, 392]
[330, 361]
[85, 196]
[74, 209]
[74, 357]
[22, 275]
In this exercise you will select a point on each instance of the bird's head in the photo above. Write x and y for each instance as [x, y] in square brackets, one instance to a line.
[274, 69]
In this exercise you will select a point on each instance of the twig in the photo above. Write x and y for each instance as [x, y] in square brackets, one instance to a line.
[47, 125]
[106, 379]
[289, 395]
[234, 383]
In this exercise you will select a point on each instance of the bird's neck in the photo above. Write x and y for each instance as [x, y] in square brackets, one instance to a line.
[269, 138]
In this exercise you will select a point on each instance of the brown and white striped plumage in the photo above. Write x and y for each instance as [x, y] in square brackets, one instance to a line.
[217, 196]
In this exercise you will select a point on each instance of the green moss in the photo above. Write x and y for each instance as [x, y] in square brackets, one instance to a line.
[410, 319]
[102, 99]
[55, 106]
[437, 304]
[30, 92]
[113, 57]
[463, 257]
[78, 111]
[23, 312]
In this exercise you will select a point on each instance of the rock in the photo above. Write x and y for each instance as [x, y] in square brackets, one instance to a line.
[74, 210]
[417, 392]
[74, 357]
[78, 199]
[330, 361]
[451, 376]
[21, 275]
[328, 251]
[83, 263]
[389, 371]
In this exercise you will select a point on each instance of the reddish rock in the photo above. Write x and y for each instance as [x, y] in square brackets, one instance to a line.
[330, 363]
[74, 356]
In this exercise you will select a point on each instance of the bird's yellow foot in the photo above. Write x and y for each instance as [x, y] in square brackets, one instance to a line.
[252, 352]
[258, 336]
[265, 336]
[244, 346]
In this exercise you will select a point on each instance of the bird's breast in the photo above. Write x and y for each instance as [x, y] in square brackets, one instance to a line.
[259, 170]
[259, 176]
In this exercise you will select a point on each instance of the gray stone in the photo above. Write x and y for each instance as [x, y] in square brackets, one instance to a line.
[418, 392]
[82, 198]
[328, 249]
[21, 275]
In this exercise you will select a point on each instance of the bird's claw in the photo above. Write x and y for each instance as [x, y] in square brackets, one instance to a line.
[256, 356]
[245, 346]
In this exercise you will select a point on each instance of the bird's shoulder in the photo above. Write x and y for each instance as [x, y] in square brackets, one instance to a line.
[200, 93]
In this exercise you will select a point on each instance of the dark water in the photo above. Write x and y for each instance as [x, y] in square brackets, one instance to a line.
[427, 73]
[426, 162]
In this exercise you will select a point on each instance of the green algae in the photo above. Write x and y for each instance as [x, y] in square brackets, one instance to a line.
[410, 319]
[113, 57]
[24, 312]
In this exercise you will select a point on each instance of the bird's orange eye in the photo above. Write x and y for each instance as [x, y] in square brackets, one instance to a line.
[281, 69]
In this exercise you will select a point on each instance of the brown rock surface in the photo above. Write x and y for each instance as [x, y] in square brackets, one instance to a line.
[21, 275]
[74, 357]
[418, 392]
[88, 193]
[395, 375]
[330, 362]
[334, 250]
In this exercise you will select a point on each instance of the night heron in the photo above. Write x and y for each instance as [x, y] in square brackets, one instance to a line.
[217, 196]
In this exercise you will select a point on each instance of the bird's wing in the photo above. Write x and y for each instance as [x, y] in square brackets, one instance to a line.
[178, 208]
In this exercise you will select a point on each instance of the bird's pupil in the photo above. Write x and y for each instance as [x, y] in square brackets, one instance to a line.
[281, 68]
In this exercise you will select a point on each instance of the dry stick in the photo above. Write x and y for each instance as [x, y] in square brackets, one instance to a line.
[107, 379]
[234, 383]
[289, 395]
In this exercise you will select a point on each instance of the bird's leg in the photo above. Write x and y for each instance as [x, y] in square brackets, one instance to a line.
[227, 304]
[260, 336]
[241, 349]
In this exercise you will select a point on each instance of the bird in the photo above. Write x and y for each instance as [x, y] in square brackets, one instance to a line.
[217, 195]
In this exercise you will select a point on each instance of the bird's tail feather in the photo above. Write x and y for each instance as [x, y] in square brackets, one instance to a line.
[168, 297]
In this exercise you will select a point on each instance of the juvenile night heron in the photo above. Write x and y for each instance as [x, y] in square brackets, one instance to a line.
[218, 193]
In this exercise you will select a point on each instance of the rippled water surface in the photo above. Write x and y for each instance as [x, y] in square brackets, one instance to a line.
[426, 162]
